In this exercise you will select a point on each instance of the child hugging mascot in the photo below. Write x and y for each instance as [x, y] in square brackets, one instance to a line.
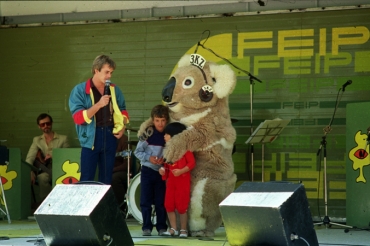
[197, 96]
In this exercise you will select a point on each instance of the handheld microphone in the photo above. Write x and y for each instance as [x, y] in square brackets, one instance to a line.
[345, 84]
[106, 88]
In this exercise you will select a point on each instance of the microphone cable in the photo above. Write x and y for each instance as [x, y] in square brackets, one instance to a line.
[296, 237]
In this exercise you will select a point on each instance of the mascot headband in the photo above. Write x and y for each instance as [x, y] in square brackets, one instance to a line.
[206, 92]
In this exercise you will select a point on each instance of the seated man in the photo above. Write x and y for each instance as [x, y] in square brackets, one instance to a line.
[42, 147]
[119, 179]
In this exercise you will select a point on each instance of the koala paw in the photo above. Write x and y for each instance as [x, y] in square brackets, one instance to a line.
[172, 152]
[146, 134]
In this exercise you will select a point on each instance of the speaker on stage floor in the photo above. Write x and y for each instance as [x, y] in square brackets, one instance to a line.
[82, 214]
[268, 213]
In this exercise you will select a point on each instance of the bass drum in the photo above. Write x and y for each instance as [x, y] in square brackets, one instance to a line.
[133, 200]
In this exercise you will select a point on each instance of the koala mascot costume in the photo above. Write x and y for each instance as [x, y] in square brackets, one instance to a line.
[197, 96]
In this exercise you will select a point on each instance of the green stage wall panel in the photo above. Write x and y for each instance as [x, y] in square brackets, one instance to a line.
[303, 59]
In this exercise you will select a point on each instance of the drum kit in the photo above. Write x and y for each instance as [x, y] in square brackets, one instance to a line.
[134, 190]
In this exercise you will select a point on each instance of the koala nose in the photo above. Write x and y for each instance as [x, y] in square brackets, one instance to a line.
[168, 90]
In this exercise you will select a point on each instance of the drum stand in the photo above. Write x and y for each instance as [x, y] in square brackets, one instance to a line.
[128, 172]
[128, 158]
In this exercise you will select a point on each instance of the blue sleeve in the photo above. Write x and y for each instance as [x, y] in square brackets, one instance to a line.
[76, 99]
[120, 98]
[78, 102]
[140, 151]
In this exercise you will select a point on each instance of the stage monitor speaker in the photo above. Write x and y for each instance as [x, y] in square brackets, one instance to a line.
[82, 214]
[268, 213]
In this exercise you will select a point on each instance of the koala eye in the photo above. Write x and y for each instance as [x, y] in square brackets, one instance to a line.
[188, 83]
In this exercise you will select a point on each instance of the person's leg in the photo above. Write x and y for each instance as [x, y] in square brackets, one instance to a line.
[184, 223]
[173, 231]
[89, 161]
[119, 186]
[159, 196]
[108, 146]
[182, 200]
[172, 219]
[169, 204]
[146, 197]
[44, 183]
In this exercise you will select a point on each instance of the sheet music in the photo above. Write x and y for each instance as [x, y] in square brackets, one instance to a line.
[267, 131]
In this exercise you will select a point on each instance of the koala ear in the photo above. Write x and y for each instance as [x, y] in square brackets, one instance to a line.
[225, 80]
[184, 61]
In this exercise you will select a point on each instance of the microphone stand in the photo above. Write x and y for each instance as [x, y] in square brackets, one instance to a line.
[326, 221]
[251, 104]
[128, 172]
[251, 88]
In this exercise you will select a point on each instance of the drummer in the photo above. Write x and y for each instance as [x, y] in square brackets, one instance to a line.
[119, 178]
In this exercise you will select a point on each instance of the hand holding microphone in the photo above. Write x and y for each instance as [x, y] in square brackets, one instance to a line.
[104, 101]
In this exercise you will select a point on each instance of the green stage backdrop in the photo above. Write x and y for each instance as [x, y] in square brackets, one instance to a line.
[303, 59]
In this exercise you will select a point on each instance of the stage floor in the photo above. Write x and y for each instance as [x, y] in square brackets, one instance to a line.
[27, 232]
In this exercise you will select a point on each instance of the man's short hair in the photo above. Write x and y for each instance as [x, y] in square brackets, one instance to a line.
[100, 61]
[43, 116]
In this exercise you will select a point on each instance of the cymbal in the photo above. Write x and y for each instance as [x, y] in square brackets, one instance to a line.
[131, 129]
[234, 120]
[132, 142]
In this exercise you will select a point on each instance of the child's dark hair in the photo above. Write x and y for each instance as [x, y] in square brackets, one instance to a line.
[174, 128]
[160, 111]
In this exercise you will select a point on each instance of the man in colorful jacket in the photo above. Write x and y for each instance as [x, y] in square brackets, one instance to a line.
[99, 111]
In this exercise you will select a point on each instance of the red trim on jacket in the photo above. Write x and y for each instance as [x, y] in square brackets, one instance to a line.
[78, 117]
[88, 86]
[125, 113]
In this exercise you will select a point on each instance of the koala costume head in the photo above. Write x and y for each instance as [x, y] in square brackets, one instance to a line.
[197, 85]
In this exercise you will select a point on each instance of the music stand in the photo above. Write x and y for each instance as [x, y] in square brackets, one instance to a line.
[4, 160]
[267, 132]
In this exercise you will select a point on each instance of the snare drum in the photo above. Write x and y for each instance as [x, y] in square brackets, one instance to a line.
[133, 200]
